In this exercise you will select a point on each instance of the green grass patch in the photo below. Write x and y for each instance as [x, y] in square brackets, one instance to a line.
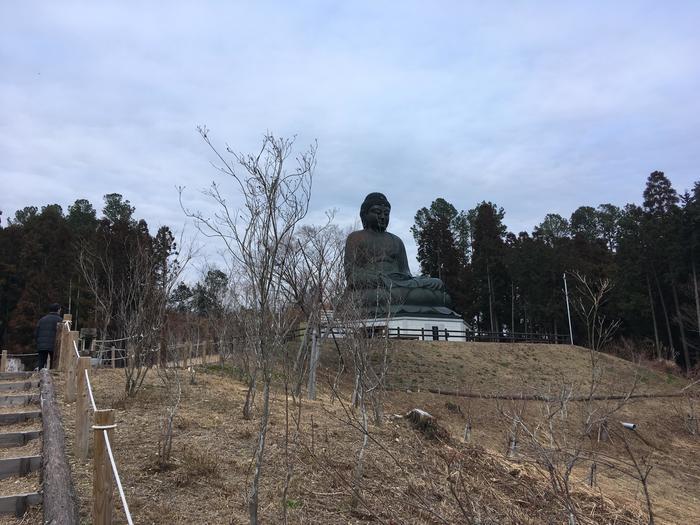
[293, 503]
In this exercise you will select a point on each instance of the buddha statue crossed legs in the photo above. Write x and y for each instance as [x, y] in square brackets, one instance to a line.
[377, 272]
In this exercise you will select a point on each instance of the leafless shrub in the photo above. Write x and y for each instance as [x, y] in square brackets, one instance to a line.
[559, 437]
[197, 464]
[639, 468]
[132, 300]
[170, 379]
[687, 412]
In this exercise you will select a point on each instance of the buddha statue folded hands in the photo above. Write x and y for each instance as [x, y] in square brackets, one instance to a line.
[377, 272]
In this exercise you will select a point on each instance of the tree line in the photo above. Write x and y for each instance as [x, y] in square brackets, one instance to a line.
[499, 281]
[503, 282]
[89, 264]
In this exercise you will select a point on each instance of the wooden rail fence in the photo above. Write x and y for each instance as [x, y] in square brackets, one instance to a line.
[78, 390]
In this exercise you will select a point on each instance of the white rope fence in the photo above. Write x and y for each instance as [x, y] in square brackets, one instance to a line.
[116, 477]
[89, 387]
[113, 340]
[79, 389]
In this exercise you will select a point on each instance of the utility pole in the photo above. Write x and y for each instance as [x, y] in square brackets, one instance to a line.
[568, 310]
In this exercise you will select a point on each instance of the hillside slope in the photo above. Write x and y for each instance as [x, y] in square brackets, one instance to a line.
[419, 370]
[515, 368]
[408, 476]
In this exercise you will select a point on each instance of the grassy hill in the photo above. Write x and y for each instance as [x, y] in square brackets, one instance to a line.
[516, 368]
[511, 370]
[409, 476]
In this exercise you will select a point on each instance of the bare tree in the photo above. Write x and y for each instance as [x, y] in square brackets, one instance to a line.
[97, 269]
[151, 275]
[591, 297]
[257, 240]
[133, 298]
[315, 280]
[366, 346]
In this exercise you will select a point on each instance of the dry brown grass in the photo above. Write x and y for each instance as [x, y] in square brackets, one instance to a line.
[408, 478]
[514, 368]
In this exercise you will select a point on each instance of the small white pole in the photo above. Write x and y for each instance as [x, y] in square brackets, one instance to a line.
[568, 310]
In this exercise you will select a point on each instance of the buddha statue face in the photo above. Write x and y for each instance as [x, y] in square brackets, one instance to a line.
[377, 218]
[375, 212]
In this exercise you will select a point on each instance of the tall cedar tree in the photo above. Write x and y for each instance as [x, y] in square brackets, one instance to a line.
[441, 236]
[488, 263]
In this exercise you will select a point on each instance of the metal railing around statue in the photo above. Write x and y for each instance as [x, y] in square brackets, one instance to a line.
[444, 334]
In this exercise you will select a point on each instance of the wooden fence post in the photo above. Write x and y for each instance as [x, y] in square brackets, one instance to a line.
[70, 380]
[63, 354]
[61, 348]
[82, 409]
[102, 485]
[3, 363]
[71, 359]
[114, 356]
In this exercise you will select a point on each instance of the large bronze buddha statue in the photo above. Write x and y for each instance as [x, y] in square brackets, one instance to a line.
[377, 272]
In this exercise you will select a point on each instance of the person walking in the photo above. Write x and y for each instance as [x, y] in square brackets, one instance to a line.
[45, 334]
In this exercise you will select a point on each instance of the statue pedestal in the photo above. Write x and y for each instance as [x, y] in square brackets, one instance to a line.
[421, 327]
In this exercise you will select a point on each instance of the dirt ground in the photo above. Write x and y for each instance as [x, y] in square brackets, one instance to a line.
[409, 476]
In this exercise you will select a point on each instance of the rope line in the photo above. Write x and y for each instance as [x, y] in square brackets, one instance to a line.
[22, 355]
[116, 477]
[112, 340]
[75, 347]
[108, 359]
[92, 398]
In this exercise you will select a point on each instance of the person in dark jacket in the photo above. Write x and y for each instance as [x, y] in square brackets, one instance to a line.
[45, 334]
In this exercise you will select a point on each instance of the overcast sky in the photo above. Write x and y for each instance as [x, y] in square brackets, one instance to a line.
[540, 107]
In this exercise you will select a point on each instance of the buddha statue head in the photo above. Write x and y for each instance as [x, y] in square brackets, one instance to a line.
[374, 212]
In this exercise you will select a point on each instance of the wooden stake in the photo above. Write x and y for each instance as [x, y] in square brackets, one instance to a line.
[63, 354]
[70, 381]
[114, 356]
[71, 359]
[61, 348]
[82, 409]
[102, 485]
[3, 363]
[467, 432]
